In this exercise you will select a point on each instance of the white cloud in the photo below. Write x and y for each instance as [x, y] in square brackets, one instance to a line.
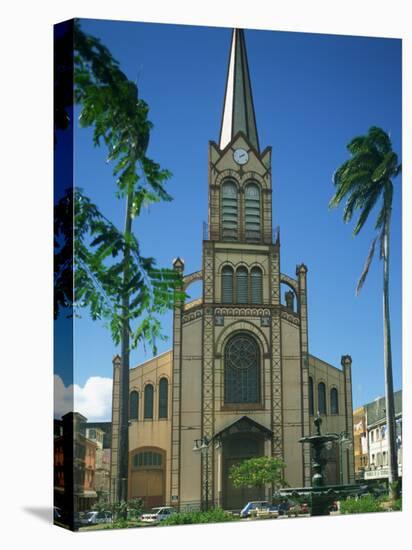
[93, 400]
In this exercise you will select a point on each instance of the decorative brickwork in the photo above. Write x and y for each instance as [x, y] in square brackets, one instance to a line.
[276, 416]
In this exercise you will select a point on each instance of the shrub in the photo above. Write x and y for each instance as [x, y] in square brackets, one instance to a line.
[360, 505]
[215, 515]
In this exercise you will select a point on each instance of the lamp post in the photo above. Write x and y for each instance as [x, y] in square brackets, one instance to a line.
[202, 445]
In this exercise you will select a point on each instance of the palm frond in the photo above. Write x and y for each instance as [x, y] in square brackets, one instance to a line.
[366, 267]
[386, 168]
[379, 139]
[357, 144]
[366, 205]
[351, 182]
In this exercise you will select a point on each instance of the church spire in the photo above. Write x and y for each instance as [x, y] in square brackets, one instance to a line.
[238, 110]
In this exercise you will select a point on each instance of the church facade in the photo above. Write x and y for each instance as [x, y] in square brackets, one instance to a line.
[239, 381]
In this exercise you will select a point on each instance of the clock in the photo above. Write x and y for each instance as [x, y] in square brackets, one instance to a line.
[240, 156]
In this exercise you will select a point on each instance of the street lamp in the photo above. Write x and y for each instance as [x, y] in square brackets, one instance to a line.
[202, 445]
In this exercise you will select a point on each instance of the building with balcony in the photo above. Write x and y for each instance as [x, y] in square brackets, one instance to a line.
[375, 416]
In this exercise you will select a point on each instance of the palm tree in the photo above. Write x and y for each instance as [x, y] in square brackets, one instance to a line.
[366, 181]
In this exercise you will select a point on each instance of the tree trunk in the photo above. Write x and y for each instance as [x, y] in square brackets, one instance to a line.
[123, 451]
[390, 405]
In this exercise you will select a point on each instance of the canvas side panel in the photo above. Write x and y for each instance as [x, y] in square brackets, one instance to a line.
[65, 423]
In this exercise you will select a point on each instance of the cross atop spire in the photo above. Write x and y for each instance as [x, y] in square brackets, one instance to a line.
[238, 110]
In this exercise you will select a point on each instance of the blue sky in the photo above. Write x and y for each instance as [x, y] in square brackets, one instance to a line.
[312, 94]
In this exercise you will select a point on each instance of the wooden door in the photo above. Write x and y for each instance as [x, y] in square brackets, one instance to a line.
[235, 450]
[148, 485]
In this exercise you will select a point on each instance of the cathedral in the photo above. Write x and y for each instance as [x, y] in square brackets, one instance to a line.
[239, 381]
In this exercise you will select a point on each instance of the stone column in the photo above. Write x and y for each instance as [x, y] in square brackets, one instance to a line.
[301, 271]
[207, 484]
[276, 351]
[178, 266]
[114, 454]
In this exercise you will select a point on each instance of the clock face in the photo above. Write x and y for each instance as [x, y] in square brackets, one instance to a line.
[240, 156]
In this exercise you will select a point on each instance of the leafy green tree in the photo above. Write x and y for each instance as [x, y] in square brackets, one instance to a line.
[365, 180]
[258, 472]
[111, 278]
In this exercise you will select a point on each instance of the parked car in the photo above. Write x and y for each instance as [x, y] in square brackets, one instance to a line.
[252, 507]
[285, 506]
[94, 518]
[157, 514]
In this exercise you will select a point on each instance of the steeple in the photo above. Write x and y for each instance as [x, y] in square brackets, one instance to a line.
[238, 110]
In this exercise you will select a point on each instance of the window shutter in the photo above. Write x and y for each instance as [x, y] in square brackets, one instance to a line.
[242, 285]
[256, 279]
[163, 397]
[134, 406]
[252, 212]
[229, 210]
[322, 398]
[227, 285]
[334, 404]
[311, 408]
[148, 401]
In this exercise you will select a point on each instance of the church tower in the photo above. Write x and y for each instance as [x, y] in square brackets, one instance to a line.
[252, 361]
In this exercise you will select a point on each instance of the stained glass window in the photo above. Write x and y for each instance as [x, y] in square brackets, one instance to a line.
[242, 370]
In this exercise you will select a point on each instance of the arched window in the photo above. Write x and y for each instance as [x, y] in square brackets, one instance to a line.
[242, 370]
[134, 406]
[148, 401]
[256, 285]
[252, 212]
[163, 397]
[146, 459]
[242, 290]
[229, 210]
[321, 398]
[227, 285]
[334, 401]
[311, 407]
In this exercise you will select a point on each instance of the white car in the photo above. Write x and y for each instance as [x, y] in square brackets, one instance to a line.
[93, 518]
[157, 514]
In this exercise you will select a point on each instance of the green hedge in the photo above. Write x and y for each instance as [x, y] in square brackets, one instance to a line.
[361, 505]
[211, 516]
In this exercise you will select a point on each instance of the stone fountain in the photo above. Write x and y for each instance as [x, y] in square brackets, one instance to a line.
[320, 496]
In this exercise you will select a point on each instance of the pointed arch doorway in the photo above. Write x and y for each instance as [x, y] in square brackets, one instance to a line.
[242, 440]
